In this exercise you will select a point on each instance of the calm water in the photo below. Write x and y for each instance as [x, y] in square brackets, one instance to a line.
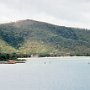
[69, 73]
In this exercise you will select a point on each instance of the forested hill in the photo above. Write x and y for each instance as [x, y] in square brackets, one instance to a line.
[34, 37]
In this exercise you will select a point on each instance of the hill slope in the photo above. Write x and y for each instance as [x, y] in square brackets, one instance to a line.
[34, 37]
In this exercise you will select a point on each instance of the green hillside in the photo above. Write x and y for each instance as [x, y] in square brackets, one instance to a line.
[6, 48]
[34, 37]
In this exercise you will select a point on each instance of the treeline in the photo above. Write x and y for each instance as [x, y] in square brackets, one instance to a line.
[6, 57]
[14, 56]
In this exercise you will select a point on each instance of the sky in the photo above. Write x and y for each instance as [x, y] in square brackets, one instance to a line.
[72, 13]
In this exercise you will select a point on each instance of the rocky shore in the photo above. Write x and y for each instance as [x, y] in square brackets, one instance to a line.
[11, 62]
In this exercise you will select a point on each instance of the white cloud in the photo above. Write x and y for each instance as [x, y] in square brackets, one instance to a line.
[62, 12]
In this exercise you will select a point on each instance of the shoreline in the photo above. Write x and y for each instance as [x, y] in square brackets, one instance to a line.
[23, 60]
[52, 57]
[11, 62]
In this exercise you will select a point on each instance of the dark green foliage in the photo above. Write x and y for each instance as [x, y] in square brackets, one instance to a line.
[10, 35]
[44, 55]
[6, 57]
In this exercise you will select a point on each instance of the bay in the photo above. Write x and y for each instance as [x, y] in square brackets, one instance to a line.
[53, 73]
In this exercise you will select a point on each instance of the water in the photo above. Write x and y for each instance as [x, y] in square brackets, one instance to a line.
[69, 73]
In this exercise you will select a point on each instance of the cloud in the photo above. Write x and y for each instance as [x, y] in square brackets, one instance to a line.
[62, 12]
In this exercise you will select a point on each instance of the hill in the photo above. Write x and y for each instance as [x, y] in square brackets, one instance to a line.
[34, 37]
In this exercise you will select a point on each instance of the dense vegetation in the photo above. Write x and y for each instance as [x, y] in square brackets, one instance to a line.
[27, 37]
[6, 57]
